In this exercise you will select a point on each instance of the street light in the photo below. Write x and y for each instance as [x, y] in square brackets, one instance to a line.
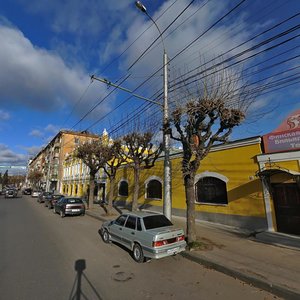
[167, 204]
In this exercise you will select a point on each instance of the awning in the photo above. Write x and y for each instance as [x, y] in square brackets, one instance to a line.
[277, 170]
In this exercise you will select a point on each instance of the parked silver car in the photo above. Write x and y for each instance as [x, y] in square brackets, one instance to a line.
[35, 194]
[146, 234]
[69, 206]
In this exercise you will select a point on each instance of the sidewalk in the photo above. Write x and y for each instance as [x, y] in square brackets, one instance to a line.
[257, 261]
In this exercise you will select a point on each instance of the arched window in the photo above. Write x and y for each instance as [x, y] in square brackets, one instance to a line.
[211, 190]
[123, 188]
[154, 189]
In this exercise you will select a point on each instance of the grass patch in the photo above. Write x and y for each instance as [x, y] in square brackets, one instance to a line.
[197, 245]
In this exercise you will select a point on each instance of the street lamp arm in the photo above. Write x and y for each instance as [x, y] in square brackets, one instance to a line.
[109, 83]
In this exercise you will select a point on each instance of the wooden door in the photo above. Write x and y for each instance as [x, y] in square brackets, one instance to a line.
[287, 207]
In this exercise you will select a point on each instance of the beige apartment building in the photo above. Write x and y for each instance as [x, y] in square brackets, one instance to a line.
[51, 158]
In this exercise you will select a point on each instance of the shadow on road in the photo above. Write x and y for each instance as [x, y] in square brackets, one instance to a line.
[77, 293]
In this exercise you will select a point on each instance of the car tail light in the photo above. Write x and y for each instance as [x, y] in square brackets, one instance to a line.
[159, 243]
[180, 238]
[168, 241]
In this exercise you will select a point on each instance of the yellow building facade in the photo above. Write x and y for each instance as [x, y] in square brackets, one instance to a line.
[76, 179]
[226, 186]
[252, 183]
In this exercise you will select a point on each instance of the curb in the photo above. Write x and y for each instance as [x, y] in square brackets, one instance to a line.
[254, 281]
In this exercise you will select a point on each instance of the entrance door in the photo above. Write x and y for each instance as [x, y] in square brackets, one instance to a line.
[287, 207]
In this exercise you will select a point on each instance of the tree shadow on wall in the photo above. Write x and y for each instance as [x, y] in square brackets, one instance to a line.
[249, 190]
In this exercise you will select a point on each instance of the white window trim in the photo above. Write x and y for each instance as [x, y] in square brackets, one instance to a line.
[210, 174]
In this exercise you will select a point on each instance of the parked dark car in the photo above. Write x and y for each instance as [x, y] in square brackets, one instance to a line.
[27, 191]
[50, 200]
[42, 196]
[69, 206]
[11, 193]
[146, 234]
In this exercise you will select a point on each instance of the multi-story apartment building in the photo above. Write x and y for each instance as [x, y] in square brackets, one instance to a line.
[50, 159]
[76, 179]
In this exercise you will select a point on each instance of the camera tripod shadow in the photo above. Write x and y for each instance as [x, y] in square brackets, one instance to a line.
[77, 292]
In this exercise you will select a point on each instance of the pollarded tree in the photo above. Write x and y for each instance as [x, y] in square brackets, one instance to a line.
[113, 157]
[206, 117]
[90, 153]
[141, 154]
[34, 177]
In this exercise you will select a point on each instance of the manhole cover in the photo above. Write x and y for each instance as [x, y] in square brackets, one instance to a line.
[122, 276]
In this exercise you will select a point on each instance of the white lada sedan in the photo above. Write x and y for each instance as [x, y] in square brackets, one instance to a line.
[146, 234]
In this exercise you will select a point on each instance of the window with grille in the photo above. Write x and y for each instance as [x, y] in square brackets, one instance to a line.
[123, 188]
[211, 190]
[154, 189]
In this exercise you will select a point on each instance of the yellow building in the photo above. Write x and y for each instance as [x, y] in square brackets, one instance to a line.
[75, 181]
[279, 170]
[227, 190]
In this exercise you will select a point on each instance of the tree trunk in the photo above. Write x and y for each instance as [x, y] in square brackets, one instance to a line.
[90, 202]
[136, 189]
[110, 195]
[190, 211]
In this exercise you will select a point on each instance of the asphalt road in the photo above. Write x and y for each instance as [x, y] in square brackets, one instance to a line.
[43, 256]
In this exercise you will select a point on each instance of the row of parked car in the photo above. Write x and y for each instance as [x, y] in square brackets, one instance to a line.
[147, 235]
[60, 204]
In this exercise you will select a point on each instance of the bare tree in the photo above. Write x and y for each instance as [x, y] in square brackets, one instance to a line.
[35, 176]
[205, 116]
[141, 154]
[90, 153]
[113, 158]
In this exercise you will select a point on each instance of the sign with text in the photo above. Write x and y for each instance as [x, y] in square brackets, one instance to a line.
[286, 137]
[282, 141]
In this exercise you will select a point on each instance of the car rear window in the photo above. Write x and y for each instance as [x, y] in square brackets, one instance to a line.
[71, 201]
[156, 221]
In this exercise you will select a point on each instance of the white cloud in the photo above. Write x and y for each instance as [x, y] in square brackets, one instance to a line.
[52, 129]
[44, 82]
[83, 17]
[7, 156]
[36, 133]
[4, 116]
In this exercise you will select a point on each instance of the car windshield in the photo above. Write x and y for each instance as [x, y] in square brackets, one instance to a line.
[71, 201]
[156, 221]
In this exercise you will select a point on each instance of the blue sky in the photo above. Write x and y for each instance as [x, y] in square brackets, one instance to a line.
[49, 50]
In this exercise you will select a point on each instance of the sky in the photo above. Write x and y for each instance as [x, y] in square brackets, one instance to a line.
[50, 49]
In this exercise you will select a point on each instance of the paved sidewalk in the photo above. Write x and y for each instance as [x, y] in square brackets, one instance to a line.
[266, 265]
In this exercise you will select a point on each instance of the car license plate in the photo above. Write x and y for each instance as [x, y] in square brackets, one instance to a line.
[75, 210]
[174, 250]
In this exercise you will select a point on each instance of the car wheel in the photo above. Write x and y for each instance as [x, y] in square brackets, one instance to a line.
[138, 254]
[105, 236]
[62, 214]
